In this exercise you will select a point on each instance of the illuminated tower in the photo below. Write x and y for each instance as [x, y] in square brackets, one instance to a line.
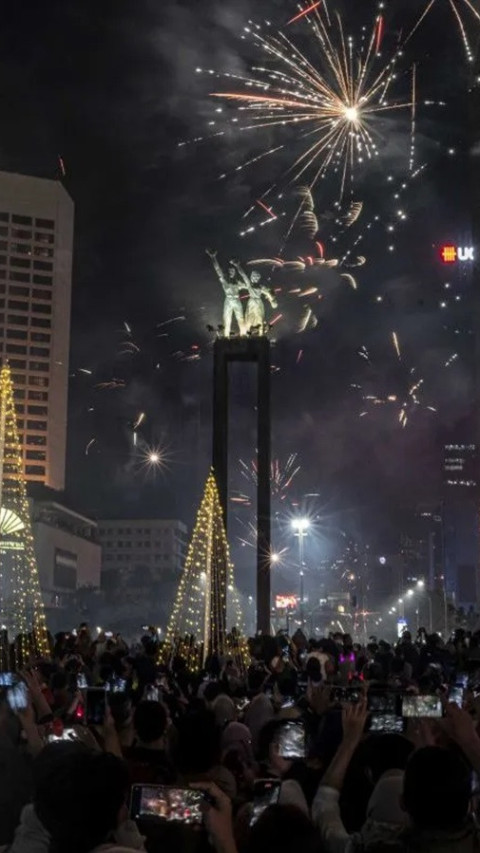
[206, 593]
[21, 606]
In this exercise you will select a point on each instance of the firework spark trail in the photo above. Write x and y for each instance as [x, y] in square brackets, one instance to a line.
[305, 12]
[396, 345]
[461, 24]
[338, 100]
[89, 445]
[267, 209]
[414, 119]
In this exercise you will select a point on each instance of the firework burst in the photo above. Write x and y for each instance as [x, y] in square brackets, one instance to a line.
[329, 94]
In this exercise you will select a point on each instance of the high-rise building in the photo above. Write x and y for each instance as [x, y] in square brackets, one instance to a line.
[36, 242]
[141, 549]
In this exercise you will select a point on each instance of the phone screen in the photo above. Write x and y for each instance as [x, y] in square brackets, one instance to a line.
[455, 694]
[17, 696]
[291, 740]
[119, 685]
[162, 803]
[67, 734]
[386, 723]
[266, 792]
[81, 681]
[7, 679]
[422, 706]
[95, 706]
[347, 694]
[151, 693]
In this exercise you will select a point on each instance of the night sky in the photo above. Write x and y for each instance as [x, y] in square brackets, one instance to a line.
[112, 88]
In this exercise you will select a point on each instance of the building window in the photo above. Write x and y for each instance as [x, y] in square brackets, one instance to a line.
[39, 308]
[41, 322]
[41, 294]
[3, 246]
[38, 395]
[38, 440]
[3, 231]
[36, 455]
[19, 334]
[4, 217]
[40, 336]
[21, 234]
[43, 252]
[17, 306]
[38, 410]
[41, 279]
[3, 259]
[16, 290]
[19, 393]
[21, 220]
[20, 262]
[17, 348]
[19, 276]
[18, 364]
[17, 320]
[35, 470]
[65, 569]
[41, 426]
[43, 238]
[19, 408]
[43, 265]
[3, 273]
[21, 248]
[42, 366]
[41, 351]
[44, 223]
[39, 381]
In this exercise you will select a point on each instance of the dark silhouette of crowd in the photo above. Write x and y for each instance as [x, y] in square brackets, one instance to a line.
[315, 745]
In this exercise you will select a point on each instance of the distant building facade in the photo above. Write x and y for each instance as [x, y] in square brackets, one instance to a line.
[36, 245]
[141, 551]
[68, 553]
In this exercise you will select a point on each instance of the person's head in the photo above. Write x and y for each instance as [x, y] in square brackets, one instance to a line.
[198, 743]
[59, 685]
[150, 722]
[283, 829]
[255, 277]
[231, 272]
[437, 789]
[149, 647]
[120, 706]
[314, 670]
[79, 796]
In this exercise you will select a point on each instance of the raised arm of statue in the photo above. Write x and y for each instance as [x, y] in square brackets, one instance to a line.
[213, 257]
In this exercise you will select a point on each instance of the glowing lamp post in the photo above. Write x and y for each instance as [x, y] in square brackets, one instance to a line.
[301, 526]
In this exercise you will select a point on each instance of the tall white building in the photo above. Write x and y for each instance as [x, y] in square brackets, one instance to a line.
[36, 244]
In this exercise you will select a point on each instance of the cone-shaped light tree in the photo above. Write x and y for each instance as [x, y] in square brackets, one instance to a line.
[21, 607]
[206, 595]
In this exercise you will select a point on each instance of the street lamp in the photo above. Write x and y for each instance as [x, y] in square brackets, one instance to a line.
[300, 526]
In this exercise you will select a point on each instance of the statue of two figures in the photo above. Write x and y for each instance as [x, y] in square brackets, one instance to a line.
[233, 283]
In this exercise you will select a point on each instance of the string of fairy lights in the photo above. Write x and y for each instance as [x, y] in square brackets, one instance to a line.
[197, 624]
[21, 604]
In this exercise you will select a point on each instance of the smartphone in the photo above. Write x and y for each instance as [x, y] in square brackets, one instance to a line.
[95, 706]
[67, 735]
[383, 702]
[7, 679]
[17, 696]
[241, 704]
[118, 685]
[455, 694]
[109, 635]
[151, 693]
[266, 792]
[81, 681]
[461, 679]
[422, 706]
[288, 702]
[161, 803]
[291, 740]
[386, 724]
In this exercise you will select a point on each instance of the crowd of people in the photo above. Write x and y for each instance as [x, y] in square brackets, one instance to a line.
[320, 745]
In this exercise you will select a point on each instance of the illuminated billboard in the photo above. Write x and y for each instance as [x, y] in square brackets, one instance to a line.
[451, 254]
[286, 602]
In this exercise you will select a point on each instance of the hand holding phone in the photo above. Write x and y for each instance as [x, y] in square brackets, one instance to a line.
[159, 803]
